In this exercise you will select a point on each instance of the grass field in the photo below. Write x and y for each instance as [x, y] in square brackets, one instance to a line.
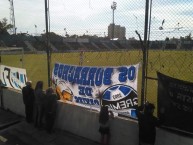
[178, 64]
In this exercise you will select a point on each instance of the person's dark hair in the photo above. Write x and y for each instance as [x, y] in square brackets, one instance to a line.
[49, 91]
[39, 85]
[28, 83]
[104, 115]
[149, 107]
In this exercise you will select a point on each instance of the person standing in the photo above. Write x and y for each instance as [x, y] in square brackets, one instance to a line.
[147, 124]
[1, 95]
[104, 121]
[50, 109]
[39, 104]
[28, 100]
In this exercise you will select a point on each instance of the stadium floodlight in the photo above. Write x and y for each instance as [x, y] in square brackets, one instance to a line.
[65, 32]
[113, 7]
[35, 30]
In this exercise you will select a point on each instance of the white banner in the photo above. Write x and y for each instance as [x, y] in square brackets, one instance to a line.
[12, 77]
[115, 87]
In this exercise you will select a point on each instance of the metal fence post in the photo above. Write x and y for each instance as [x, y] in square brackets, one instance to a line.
[47, 43]
[144, 53]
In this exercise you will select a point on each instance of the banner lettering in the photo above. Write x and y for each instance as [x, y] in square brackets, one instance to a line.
[86, 86]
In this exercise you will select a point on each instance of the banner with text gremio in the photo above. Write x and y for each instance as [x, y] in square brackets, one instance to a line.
[91, 87]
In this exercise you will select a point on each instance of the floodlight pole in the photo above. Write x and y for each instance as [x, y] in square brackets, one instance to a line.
[12, 17]
[113, 7]
[47, 43]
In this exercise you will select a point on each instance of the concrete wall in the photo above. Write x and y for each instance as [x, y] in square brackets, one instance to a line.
[84, 122]
[13, 101]
[167, 138]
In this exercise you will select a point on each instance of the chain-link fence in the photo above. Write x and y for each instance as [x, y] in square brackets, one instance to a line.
[80, 33]
[170, 22]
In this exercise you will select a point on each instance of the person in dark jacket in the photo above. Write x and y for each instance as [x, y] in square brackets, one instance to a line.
[147, 125]
[50, 109]
[104, 120]
[39, 104]
[28, 100]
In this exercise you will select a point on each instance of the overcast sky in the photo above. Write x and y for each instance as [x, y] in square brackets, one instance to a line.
[94, 16]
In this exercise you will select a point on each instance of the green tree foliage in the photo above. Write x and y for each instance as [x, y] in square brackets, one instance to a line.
[52, 36]
[4, 26]
[189, 37]
[167, 39]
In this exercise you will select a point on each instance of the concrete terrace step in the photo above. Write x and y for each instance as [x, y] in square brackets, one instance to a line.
[8, 118]
[15, 130]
